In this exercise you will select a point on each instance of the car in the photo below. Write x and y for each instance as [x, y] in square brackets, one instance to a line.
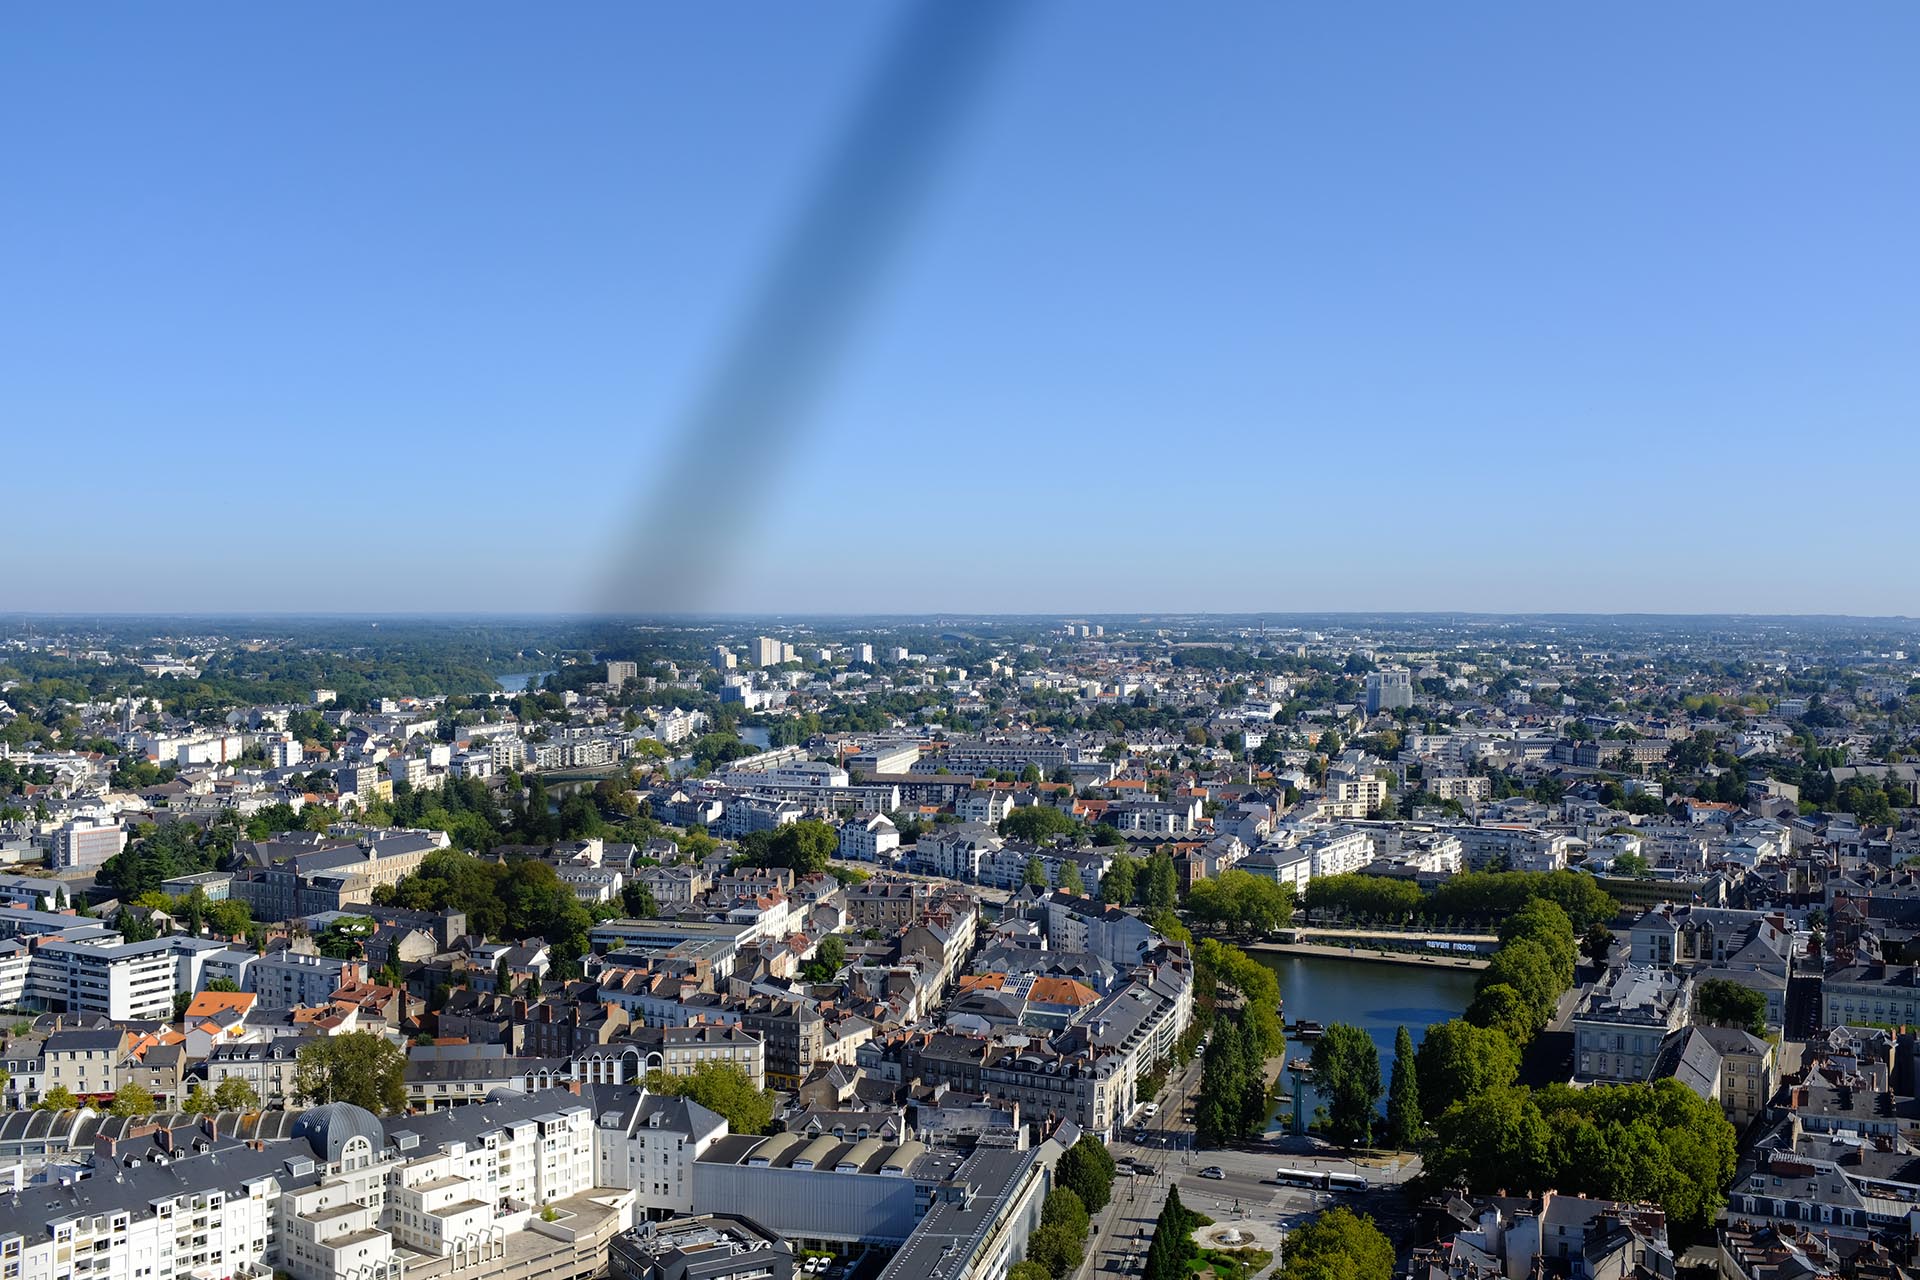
[1213, 1171]
[1123, 1169]
[1151, 1110]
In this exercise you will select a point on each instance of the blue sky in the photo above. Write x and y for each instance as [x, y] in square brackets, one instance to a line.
[1242, 306]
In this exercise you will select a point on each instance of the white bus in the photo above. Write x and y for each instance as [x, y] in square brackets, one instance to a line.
[1320, 1179]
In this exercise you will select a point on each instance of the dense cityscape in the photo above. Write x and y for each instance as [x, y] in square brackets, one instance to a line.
[959, 948]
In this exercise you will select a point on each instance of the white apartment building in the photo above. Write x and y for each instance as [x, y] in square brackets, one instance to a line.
[649, 1144]
[84, 845]
[872, 838]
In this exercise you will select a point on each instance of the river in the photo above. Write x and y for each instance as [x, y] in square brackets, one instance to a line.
[1378, 998]
[517, 681]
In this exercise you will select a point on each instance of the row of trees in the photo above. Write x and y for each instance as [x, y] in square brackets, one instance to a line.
[1476, 895]
[1082, 1186]
[1149, 883]
[1659, 1142]
[1233, 1084]
[1240, 902]
[1521, 986]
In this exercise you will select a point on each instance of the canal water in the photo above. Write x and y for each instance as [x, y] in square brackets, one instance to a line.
[1376, 997]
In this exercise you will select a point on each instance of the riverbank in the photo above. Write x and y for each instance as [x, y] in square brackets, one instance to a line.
[1441, 960]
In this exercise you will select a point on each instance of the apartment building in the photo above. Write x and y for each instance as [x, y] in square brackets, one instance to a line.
[83, 845]
[1622, 1023]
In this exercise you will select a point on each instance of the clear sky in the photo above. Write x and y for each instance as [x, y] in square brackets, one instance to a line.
[1500, 306]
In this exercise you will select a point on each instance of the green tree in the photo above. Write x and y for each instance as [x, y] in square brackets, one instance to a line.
[722, 1088]
[1038, 824]
[1598, 943]
[132, 1099]
[1502, 1008]
[1036, 874]
[58, 1098]
[1346, 1072]
[1024, 1270]
[1170, 1254]
[1495, 1138]
[1223, 1081]
[1544, 922]
[1457, 1060]
[1057, 1249]
[1063, 1208]
[1088, 1169]
[199, 1102]
[222, 984]
[1117, 886]
[1729, 1004]
[1527, 967]
[827, 959]
[806, 846]
[1070, 880]
[359, 1067]
[1403, 1096]
[1163, 883]
[1339, 1244]
[235, 1094]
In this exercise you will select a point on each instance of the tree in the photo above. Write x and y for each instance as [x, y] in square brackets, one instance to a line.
[222, 984]
[1163, 883]
[1070, 880]
[1223, 1079]
[1527, 967]
[1338, 1245]
[1024, 1270]
[806, 846]
[1598, 944]
[1241, 901]
[1502, 1008]
[359, 1067]
[1632, 864]
[637, 900]
[1063, 1207]
[58, 1098]
[199, 1102]
[1729, 1004]
[181, 999]
[722, 1088]
[1088, 1169]
[1346, 1072]
[1403, 1096]
[827, 959]
[1036, 874]
[1037, 824]
[1057, 1249]
[133, 1099]
[1458, 1060]
[235, 1094]
[1496, 1138]
[1543, 921]
[1117, 886]
[133, 928]
[1169, 1255]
